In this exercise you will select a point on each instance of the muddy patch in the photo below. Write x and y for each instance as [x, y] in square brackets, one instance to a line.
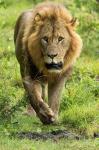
[59, 134]
[96, 135]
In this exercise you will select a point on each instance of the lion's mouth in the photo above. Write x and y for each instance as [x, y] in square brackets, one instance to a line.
[54, 65]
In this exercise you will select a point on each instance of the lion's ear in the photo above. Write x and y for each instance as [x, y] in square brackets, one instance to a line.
[74, 22]
[37, 17]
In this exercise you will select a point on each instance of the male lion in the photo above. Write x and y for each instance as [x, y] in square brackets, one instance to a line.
[46, 48]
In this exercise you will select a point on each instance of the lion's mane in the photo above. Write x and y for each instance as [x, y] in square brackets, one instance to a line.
[32, 30]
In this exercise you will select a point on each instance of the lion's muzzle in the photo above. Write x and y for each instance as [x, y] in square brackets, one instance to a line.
[53, 65]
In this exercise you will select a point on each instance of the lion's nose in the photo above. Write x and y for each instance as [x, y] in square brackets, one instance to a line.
[52, 55]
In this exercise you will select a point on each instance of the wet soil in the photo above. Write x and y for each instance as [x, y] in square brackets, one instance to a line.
[55, 135]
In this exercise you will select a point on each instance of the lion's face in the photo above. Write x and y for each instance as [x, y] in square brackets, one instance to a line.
[55, 42]
[51, 39]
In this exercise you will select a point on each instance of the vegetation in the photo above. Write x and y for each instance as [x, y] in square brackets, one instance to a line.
[64, 145]
[79, 110]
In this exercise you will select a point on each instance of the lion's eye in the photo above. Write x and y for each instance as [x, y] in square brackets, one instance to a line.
[45, 38]
[60, 38]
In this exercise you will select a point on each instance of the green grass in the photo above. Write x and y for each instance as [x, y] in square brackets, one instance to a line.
[79, 111]
[16, 144]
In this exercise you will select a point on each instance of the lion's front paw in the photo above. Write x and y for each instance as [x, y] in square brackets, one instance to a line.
[45, 114]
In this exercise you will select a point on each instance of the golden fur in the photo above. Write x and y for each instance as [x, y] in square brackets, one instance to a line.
[55, 21]
[49, 10]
